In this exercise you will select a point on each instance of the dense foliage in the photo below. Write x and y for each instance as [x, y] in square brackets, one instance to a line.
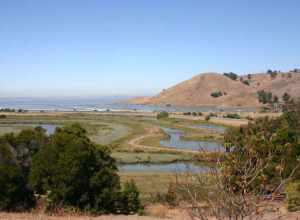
[16, 152]
[231, 75]
[286, 97]
[246, 82]
[162, 115]
[293, 196]
[265, 97]
[232, 115]
[273, 73]
[274, 143]
[216, 94]
[67, 168]
[129, 199]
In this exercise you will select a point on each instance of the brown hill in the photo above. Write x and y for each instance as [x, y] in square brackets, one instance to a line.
[198, 90]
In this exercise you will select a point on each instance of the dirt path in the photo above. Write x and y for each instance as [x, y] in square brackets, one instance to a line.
[135, 143]
[150, 132]
[28, 216]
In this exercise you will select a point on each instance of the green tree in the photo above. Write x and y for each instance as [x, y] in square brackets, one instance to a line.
[216, 94]
[162, 115]
[129, 201]
[286, 97]
[76, 172]
[231, 75]
[264, 96]
[16, 152]
[273, 141]
[14, 193]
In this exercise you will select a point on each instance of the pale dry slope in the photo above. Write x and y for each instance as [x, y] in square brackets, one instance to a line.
[279, 85]
[197, 91]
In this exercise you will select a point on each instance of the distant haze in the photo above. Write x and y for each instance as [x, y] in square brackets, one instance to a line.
[67, 48]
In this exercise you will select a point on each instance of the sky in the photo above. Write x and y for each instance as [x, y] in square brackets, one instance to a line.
[62, 48]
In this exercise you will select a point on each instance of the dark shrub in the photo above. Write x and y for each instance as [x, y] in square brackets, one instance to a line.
[274, 141]
[14, 193]
[75, 172]
[15, 161]
[293, 196]
[129, 202]
[216, 94]
[2, 116]
[162, 115]
[7, 110]
[232, 115]
[272, 73]
[211, 114]
[286, 97]
[246, 82]
[231, 75]
[194, 114]
[264, 97]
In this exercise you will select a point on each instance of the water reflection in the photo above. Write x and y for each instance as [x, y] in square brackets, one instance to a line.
[177, 167]
[175, 141]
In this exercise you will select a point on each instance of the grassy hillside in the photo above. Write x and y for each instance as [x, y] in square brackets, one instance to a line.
[213, 89]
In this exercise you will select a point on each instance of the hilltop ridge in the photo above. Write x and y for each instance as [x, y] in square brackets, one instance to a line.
[215, 89]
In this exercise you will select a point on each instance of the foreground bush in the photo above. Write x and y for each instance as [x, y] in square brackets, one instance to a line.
[15, 195]
[261, 159]
[74, 172]
[293, 196]
[129, 202]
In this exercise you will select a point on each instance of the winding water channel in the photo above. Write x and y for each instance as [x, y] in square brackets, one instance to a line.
[175, 141]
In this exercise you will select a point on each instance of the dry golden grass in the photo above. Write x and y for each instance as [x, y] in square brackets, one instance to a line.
[197, 90]
[157, 213]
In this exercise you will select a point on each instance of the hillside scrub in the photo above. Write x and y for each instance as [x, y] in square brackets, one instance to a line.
[231, 75]
[262, 159]
[265, 97]
[216, 94]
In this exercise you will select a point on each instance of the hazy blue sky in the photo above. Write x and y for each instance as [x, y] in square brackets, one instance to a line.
[96, 47]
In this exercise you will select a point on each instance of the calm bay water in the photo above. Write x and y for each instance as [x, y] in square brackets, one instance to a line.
[98, 104]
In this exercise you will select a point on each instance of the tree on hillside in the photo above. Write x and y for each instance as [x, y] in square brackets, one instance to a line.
[272, 73]
[216, 94]
[286, 97]
[231, 75]
[264, 96]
